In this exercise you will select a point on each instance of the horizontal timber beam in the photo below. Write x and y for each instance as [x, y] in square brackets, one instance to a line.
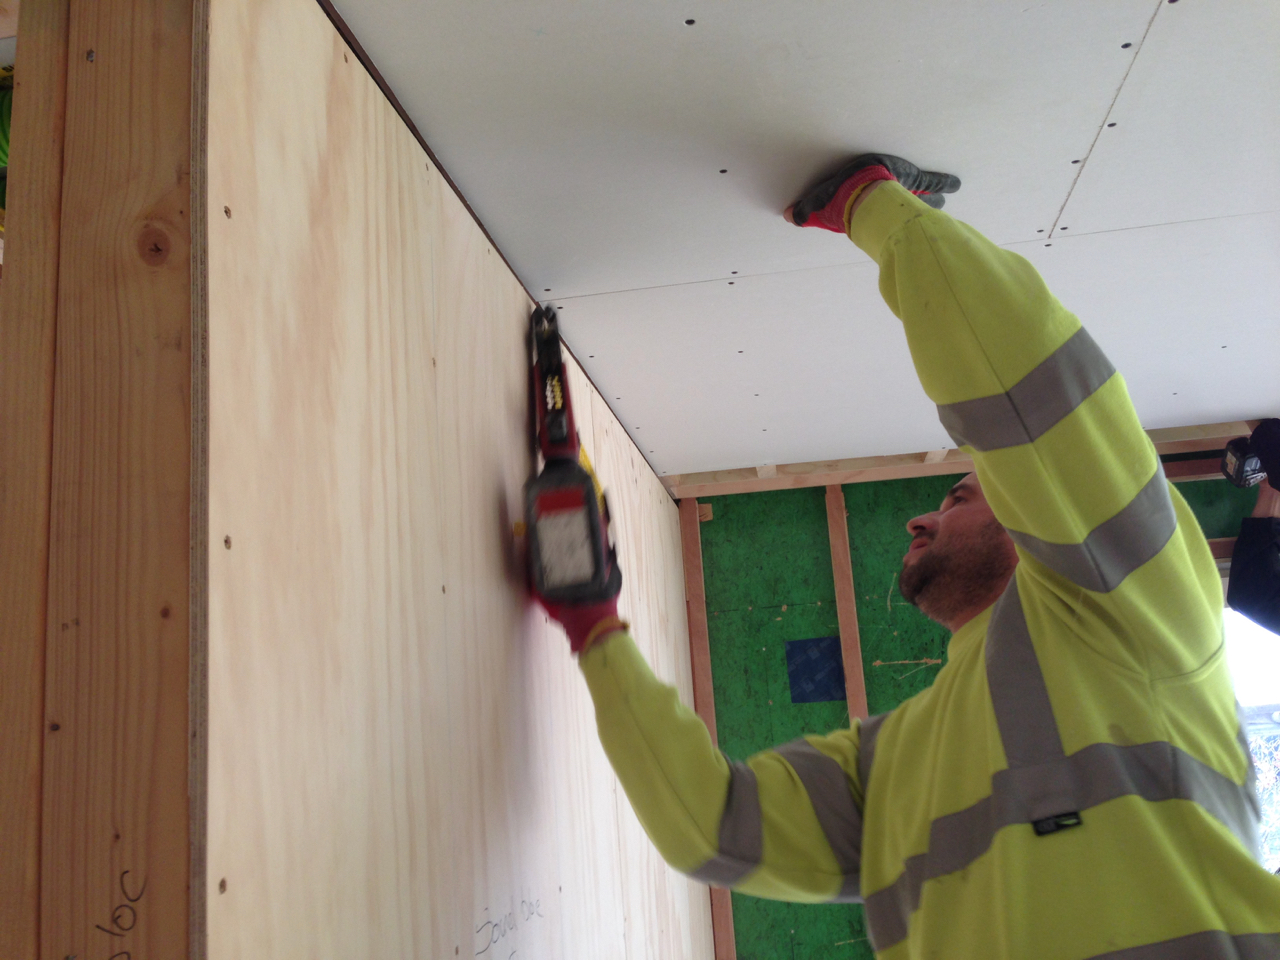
[1222, 547]
[822, 473]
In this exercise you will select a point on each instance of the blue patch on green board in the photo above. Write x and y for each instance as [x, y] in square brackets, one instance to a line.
[816, 670]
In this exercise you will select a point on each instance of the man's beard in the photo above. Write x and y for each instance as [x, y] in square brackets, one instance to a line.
[950, 579]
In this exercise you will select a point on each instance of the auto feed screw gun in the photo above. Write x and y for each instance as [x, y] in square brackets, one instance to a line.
[566, 515]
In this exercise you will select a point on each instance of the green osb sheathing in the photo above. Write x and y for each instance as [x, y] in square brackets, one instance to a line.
[1218, 505]
[767, 571]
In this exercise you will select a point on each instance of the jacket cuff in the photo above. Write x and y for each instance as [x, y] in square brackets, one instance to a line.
[882, 215]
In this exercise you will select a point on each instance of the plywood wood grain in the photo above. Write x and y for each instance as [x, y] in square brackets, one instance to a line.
[666, 915]
[28, 311]
[403, 757]
[115, 841]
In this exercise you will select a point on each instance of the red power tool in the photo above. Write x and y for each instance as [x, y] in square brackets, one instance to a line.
[566, 515]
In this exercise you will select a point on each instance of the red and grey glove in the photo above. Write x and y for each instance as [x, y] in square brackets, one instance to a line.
[826, 204]
[585, 623]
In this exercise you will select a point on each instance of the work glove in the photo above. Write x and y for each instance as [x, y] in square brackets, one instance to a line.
[826, 204]
[585, 622]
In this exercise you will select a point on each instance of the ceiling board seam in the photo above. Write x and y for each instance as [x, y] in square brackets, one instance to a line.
[1147, 226]
[857, 263]
[867, 262]
[1084, 162]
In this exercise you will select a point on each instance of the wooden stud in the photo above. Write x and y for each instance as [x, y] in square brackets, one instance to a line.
[819, 473]
[115, 815]
[1205, 436]
[1222, 547]
[932, 463]
[28, 312]
[722, 924]
[696, 602]
[705, 512]
[703, 692]
[1202, 468]
[846, 603]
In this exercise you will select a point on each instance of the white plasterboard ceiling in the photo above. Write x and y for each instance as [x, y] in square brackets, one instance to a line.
[1129, 148]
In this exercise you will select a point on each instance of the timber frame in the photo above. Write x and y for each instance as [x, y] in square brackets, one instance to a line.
[932, 463]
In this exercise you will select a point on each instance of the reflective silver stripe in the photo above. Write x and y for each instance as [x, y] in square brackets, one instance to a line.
[1042, 398]
[1208, 945]
[827, 785]
[1018, 692]
[1097, 774]
[1116, 547]
[869, 731]
[1042, 782]
[1251, 772]
[741, 832]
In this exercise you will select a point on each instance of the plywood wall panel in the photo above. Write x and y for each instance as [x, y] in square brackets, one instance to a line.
[403, 757]
[666, 916]
[324, 518]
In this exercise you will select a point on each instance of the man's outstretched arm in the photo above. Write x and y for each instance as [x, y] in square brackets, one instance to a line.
[786, 824]
[1057, 444]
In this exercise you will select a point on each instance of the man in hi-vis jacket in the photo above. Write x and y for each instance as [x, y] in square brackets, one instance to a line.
[1076, 783]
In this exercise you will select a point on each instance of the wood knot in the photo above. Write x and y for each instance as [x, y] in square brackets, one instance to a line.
[154, 245]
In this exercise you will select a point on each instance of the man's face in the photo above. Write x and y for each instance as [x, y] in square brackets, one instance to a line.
[960, 557]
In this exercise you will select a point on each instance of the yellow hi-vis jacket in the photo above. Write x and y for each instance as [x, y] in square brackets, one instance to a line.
[1075, 784]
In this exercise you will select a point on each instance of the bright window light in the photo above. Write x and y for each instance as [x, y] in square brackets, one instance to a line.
[1253, 655]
